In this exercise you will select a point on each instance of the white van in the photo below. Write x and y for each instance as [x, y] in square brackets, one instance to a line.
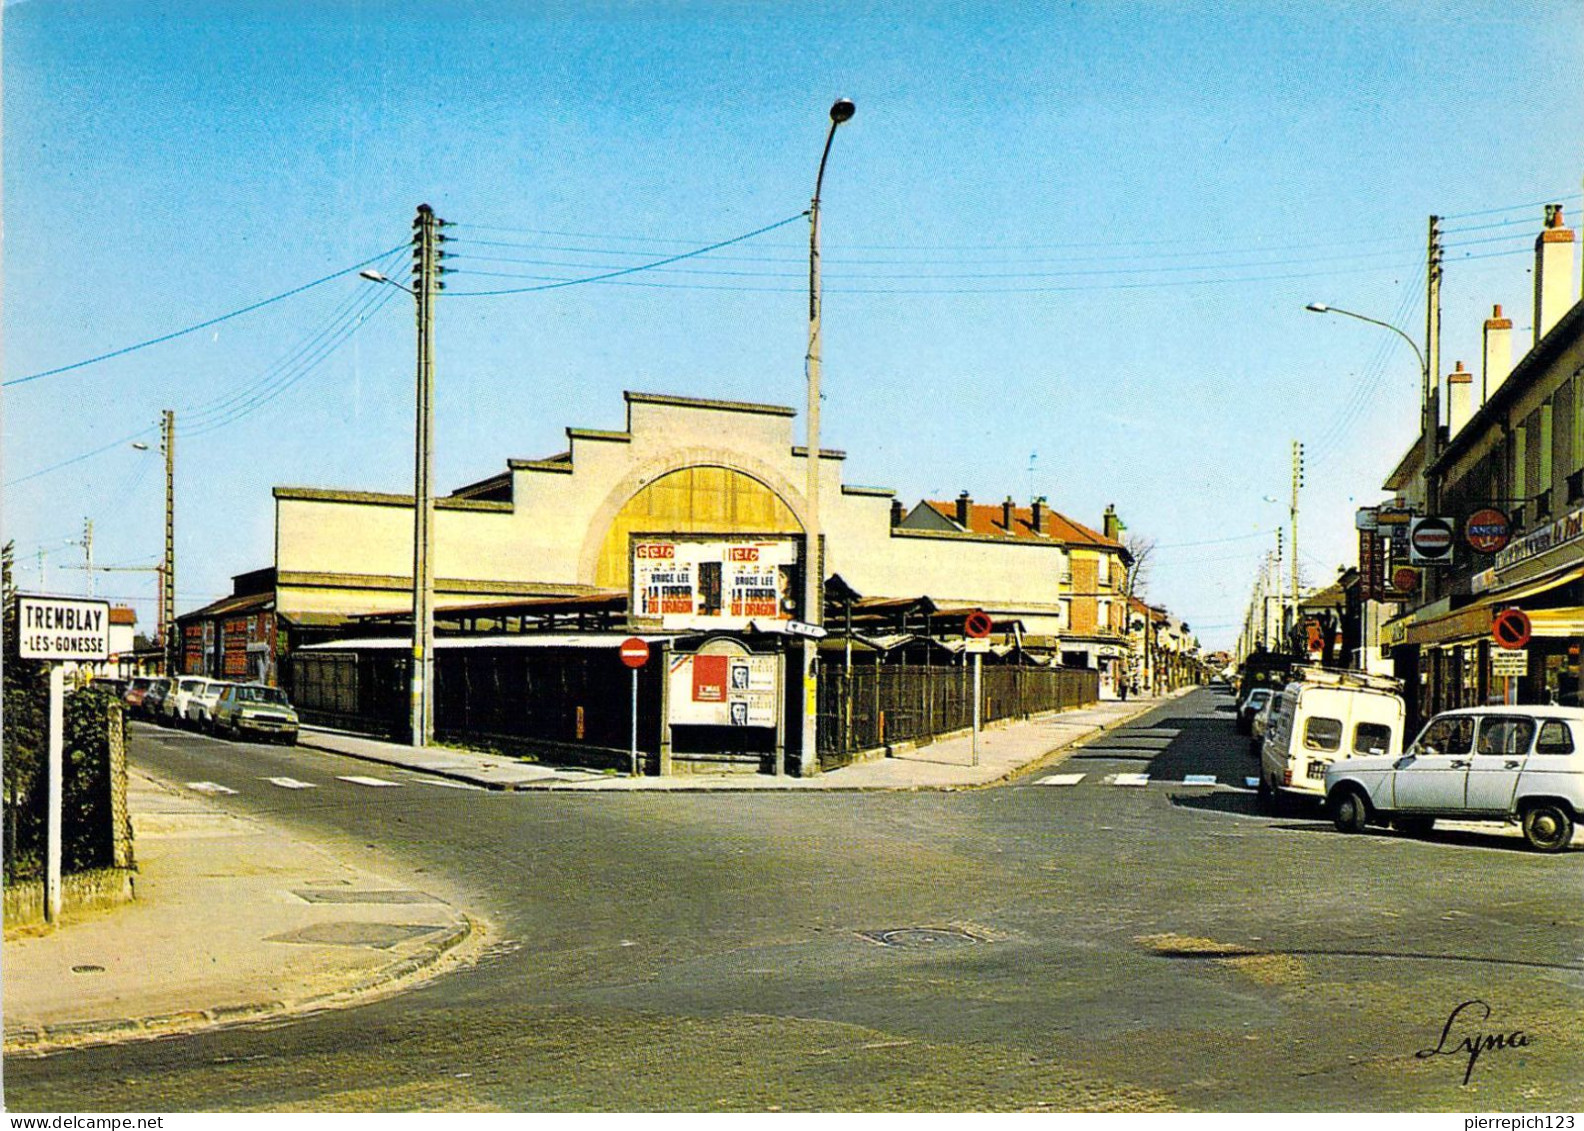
[1321, 716]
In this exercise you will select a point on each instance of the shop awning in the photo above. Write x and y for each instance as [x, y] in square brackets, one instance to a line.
[1474, 621]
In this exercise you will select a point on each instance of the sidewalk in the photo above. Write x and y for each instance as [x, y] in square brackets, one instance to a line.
[1005, 749]
[233, 921]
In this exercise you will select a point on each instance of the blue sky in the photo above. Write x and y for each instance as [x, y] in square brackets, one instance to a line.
[1081, 233]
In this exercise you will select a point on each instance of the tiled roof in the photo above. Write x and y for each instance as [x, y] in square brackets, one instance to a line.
[120, 614]
[986, 519]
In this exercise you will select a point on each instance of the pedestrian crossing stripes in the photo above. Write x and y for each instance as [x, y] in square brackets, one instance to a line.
[356, 780]
[209, 787]
[1199, 779]
[1130, 779]
[291, 783]
[1062, 779]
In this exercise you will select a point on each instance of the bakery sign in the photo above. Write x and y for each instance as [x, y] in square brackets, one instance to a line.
[712, 583]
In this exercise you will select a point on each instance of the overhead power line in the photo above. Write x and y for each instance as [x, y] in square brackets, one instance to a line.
[200, 325]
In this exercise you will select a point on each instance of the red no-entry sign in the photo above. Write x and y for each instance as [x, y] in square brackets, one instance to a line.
[978, 625]
[634, 652]
[1511, 628]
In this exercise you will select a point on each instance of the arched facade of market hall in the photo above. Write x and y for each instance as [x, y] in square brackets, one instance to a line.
[564, 526]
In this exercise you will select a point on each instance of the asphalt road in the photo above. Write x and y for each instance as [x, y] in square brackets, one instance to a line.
[1093, 946]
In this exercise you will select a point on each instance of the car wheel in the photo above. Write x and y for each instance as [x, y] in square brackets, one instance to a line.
[1548, 827]
[1349, 811]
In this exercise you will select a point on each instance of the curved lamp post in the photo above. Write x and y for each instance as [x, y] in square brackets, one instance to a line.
[813, 566]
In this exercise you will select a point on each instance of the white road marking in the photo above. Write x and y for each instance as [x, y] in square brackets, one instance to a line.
[1199, 779]
[355, 780]
[1251, 783]
[1130, 779]
[291, 783]
[423, 779]
[1062, 779]
[209, 787]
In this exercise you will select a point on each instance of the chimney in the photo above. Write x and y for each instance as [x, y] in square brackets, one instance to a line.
[1460, 399]
[896, 512]
[1553, 276]
[1037, 509]
[1498, 353]
[1008, 514]
[964, 503]
[1112, 525]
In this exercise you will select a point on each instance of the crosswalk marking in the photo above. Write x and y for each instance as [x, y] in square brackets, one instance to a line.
[209, 787]
[1130, 779]
[1062, 779]
[291, 783]
[1199, 779]
[1251, 783]
[355, 780]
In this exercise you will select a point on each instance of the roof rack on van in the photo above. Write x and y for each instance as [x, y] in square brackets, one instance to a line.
[1338, 677]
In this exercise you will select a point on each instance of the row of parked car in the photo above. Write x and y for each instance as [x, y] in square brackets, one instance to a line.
[216, 706]
[1336, 738]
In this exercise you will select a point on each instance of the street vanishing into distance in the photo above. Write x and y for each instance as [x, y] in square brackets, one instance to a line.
[1030, 946]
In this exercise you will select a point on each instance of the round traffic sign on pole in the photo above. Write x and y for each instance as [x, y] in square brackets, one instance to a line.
[1511, 628]
[634, 652]
[978, 625]
[1430, 540]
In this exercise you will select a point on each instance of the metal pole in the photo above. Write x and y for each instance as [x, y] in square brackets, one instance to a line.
[52, 834]
[813, 565]
[635, 722]
[978, 660]
[422, 721]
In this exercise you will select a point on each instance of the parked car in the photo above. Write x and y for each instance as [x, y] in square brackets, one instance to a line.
[153, 703]
[252, 708]
[173, 708]
[1261, 722]
[133, 695]
[1249, 707]
[1523, 764]
[1326, 715]
[200, 704]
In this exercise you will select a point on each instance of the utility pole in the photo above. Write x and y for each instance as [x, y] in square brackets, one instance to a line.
[168, 572]
[1432, 375]
[1297, 482]
[426, 284]
[87, 545]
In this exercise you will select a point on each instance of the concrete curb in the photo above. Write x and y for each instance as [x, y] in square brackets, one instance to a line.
[75, 1034]
[305, 738]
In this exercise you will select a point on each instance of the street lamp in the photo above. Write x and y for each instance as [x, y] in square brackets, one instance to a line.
[813, 566]
[426, 240]
[1427, 425]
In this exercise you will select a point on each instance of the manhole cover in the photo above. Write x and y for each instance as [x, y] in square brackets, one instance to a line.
[343, 895]
[379, 935]
[938, 937]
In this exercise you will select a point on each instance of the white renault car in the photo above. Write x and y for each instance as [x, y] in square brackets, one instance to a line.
[1523, 764]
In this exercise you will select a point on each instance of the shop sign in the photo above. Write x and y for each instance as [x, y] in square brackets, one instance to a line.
[1568, 528]
[1504, 662]
[1405, 580]
[1393, 516]
[1487, 531]
[1372, 567]
[1367, 518]
[720, 583]
[1430, 541]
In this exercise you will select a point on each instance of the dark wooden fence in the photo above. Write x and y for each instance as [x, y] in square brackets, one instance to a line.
[869, 706]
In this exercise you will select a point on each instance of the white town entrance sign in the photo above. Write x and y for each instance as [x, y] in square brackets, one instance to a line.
[63, 628]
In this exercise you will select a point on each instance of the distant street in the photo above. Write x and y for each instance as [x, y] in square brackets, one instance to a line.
[1035, 946]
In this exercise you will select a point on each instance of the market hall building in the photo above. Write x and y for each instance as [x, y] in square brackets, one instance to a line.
[686, 526]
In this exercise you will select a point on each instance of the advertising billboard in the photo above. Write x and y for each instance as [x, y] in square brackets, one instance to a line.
[711, 582]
